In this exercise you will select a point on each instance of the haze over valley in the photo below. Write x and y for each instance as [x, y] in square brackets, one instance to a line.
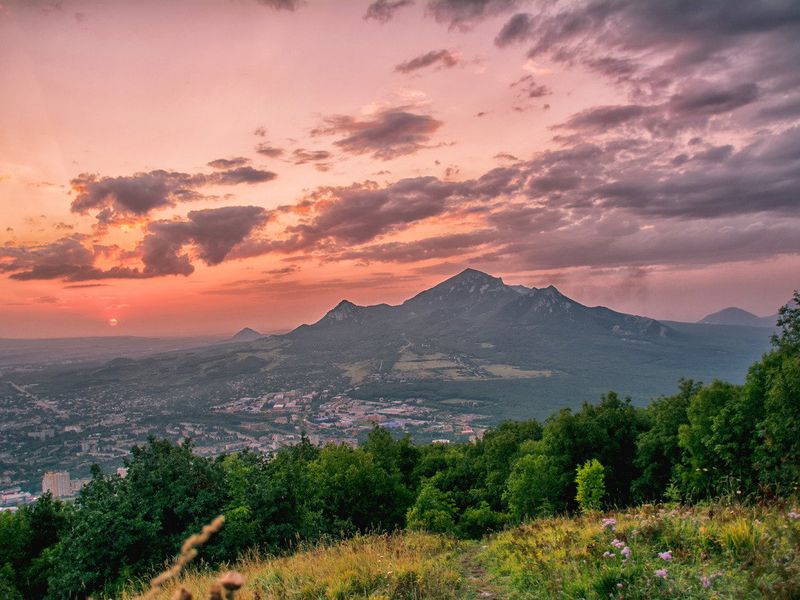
[445, 364]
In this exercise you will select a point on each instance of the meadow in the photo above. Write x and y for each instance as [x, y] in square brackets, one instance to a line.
[712, 550]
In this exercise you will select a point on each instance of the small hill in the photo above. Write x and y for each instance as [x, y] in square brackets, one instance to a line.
[722, 550]
[738, 316]
[246, 335]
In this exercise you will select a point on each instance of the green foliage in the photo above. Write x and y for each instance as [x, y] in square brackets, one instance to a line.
[353, 493]
[788, 338]
[717, 550]
[657, 448]
[434, 510]
[534, 486]
[590, 483]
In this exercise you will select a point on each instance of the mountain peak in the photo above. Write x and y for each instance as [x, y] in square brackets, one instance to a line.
[343, 311]
[738, 316]
[473, 275]
[246, 334]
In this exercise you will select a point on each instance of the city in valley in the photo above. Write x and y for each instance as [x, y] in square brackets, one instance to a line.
[48, 445]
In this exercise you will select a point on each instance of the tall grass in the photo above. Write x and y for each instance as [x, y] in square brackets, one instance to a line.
[406, 566]
[712, 551]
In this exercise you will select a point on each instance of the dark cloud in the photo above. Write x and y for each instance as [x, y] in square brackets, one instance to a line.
[386, 135]
[383, 10]
[293, 288]
[137, 194]
[706, 100]
[517, 29]
[68, 250]
[424, 249]
[442, 58]
[240, 175]
[601, 118]
[141, 193]
[319, 158]
[653, 46]
[229, 163]
[283, 271]
[212, 233]
[359, 213]
[290, 5]
[464, 14]
[268, 150]
[528, 87]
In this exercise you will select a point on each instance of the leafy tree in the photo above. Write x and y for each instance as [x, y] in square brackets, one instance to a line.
[788, 338]
[477, 521]
[702, 466]
[606, 431]
[590, 482]
[657, 449]
[534, 486]
[433, 510]
[353, 493]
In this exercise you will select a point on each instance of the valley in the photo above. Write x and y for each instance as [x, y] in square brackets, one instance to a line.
[444, 365]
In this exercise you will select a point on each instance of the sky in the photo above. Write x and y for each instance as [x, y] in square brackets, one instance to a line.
[194, 167]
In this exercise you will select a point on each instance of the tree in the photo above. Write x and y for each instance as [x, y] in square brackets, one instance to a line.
[657, 449]
[534, 486]
[353, 493]
[703, 467]
[433, 510]
[590, 482]
[788, 338]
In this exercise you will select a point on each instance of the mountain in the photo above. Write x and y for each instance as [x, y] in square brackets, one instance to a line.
[737, 316]
[246, 335]
[474, 306]
[472, 340]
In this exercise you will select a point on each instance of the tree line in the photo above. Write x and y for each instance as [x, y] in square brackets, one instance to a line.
[702, 442]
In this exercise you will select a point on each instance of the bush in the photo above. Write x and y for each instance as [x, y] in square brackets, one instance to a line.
[590, 480]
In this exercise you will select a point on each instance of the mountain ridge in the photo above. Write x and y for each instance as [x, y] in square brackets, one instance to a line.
[733, 315]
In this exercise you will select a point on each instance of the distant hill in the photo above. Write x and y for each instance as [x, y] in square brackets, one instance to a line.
[469, 343]
[737, 316]
[246, 335]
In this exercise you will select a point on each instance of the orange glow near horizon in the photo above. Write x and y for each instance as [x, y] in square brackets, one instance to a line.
[193, 168]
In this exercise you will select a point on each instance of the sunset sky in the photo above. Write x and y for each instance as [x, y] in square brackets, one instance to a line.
[195, 167]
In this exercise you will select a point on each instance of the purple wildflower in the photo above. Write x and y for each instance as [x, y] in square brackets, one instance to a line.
[706, 582]
[608, 554]
[617, 544]
[793, 515]
[609, 524]
[661, 573]
[665, 555]
[626, 552]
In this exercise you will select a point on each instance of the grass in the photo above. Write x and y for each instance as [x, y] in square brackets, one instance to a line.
[404, 566]
[716, 551]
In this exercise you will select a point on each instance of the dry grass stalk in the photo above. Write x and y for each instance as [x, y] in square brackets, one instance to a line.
[188, 552]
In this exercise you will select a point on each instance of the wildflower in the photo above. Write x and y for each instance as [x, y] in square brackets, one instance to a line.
[665, 555]
[609, 524]
[661, 573]
[793, 515]
[706, 582]
[626, 552]
[617, 544]
[608, 554]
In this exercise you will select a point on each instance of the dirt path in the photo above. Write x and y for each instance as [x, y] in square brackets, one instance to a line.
[478, 578]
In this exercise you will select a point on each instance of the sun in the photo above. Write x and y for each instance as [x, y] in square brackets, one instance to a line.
[113, 321]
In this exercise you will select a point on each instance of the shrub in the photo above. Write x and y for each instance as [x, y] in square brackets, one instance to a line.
[590, 480]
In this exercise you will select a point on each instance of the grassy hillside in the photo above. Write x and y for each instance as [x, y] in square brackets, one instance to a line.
[403, 565]
[711, 551]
